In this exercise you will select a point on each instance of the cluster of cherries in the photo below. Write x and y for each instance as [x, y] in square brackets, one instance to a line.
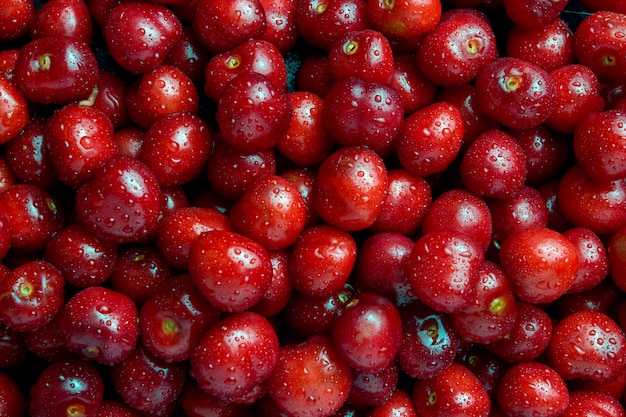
[313, 208]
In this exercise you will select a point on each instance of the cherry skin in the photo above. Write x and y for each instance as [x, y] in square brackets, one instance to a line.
[17, 16]
[399, 404]
[33, 216]
[196, 402]
[29, 156]
[598, 145]
[524, 210]
[350, 188]
[546, 152]
[587, 403]
[380, 267]
[110, 99]
[550, 47]
[599, 206]
[139, 271]
[100, 325]
[541, 263]
[534, 13]
[281, 29]
[416, 91]
[173, 319]
[528, 338]
[56, 69]
[67, 387]
[408, 194]
[306, 142]
[232, 271]
[369, 389]
[244, 342]
[404, 19]
[140, 35]
[230, 171]
[280, 290]
[592, 257]
[180, 228]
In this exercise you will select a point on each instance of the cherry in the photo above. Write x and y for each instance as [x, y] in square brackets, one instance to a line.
[17, 16]
[63, 17]
[110, 99]
[532, 387]
[83, 259]
[56, 69]
[67, 387]
[524, 210]
[370, 389]
[121, 203]
[235, 355]
[528, 338]
[429, 343]
[443, 270]
[15, 107]
[598, 45]
[147, 383]
[350, 188]
[161, 92]
[587, 345]
[380, 267]
[188, 55]
[32, 294]
[541, 263]
[13, 345]
[335, 247]
[416, 91]
[230, 171]
[176, 148]
[408, 194]
[583, 403]
[12, 403]
[456, 391]
[364, 54]
[80, 140]
[368, 332]
[461, 45]
[223, 25]
[311, 378]
[373, 122]
[534, 13]
[139, 35]
[494, 165]
[33, 216]
[306, 142]
[404, 19]
[320, 23]
[100, 324]
[399, 404]
[430, 139]
[592, 258]
[116, 408]
[253, 113]
[196, 402]
[254, 55]
[280, 290]
[515, 92]
[281, 29]
[231, 270]
[601, 130]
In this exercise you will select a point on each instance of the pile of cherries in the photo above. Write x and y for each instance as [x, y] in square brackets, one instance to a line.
[313, 208]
